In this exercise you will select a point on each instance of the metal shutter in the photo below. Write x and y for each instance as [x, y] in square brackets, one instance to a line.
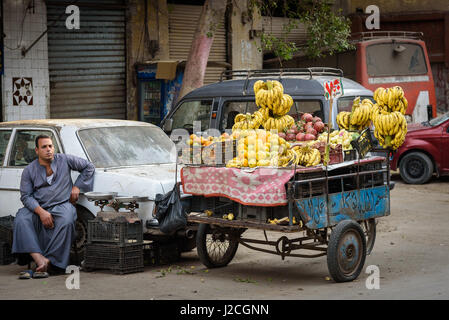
[87, 67]
[275, 25]
[183, 20]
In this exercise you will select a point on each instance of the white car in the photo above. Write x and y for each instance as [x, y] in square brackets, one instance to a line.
[131, 158]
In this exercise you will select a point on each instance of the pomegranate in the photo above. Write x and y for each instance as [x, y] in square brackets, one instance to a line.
[282, 135]
[318, 126]
[309, 137]
[311, 130]
[316, 119]
[300, 136]
[307, 117]
[290, 137]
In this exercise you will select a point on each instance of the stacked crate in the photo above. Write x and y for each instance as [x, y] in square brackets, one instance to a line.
[6, 228]
[115, 245]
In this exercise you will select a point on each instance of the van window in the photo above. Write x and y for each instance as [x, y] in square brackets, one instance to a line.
[383, 60]
[190, 111]
[4, 139]
[306, 106]
[345, 103]
[233, 108]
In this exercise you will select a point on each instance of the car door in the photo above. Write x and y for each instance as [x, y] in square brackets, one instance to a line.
[445, 149]
[20, 153]
[5, 139]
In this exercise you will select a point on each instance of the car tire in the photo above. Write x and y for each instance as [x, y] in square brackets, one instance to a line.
[84, 215]
[416, 168]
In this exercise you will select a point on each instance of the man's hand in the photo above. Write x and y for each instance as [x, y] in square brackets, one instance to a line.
[74, 195]
[47, 219]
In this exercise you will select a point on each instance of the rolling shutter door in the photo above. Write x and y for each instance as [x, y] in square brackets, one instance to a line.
[275, 25]
[183, 20]
[87, 66]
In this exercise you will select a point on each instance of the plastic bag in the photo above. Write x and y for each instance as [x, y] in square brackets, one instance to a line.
[170, 212]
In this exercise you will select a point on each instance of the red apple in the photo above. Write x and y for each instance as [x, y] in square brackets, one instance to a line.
[290, 131]
[307, 117]
[309, 136]
[300, 136]
[295, 129]
[282, 135]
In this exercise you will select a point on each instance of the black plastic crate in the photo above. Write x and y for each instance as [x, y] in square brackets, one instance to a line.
[155, 253]
[364, 143]
[6, 257]
[119, 259]
[6, 229]
[349, 155]
[115, 232]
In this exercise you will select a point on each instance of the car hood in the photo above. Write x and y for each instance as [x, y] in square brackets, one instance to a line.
[137, 181]
[416, 126]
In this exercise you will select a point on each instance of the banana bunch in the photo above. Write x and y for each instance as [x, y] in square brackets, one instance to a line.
[278, 123]
[268, 94]
[391, 99]
[307, 156]
[283, 106]
[390, 128]
[361, 114]
[249, 121]
[344, 120]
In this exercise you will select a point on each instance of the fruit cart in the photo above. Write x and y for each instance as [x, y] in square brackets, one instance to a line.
[321, 210]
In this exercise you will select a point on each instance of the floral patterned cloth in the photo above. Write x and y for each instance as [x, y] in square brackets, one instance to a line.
[255, 187]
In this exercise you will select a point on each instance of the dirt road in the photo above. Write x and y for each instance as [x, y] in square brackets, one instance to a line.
[411, 252]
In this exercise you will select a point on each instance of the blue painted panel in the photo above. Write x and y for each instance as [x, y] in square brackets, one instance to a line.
[354, 205]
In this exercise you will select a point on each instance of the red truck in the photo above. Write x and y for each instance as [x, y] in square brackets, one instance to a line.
[425, 151]
[384, 59]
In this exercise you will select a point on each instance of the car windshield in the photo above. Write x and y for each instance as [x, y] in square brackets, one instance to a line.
[439, 120]
[127, 146]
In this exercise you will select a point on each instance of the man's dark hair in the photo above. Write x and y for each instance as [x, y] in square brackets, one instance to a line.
[41, 136]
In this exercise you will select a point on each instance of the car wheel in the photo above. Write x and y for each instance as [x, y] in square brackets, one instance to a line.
[81, 235]
[416, 168]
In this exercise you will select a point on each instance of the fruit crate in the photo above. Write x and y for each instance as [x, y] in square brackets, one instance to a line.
[335, 154]
[364, 143]
[6, 257]
[119, 259]
[115, 232]
[6, 229]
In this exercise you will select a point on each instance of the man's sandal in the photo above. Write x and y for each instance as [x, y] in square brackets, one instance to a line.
[40, 275]
[26, 274]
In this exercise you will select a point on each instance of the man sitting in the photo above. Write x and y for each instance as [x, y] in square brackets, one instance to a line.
[45, 227]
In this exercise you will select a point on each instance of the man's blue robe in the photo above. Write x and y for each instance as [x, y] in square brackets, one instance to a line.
[30, 235]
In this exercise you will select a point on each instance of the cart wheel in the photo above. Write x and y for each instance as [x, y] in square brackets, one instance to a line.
[346, 252]
[216, 247]
[369, 228]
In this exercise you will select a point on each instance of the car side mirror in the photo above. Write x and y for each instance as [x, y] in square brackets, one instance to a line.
[168, 124]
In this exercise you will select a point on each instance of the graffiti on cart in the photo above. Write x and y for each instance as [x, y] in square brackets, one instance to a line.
[354, 205]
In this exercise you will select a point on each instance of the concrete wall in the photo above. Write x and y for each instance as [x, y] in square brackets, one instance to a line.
[244, 48]
[32, 69]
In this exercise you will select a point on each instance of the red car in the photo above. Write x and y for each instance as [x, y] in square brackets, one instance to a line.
[425, 151]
